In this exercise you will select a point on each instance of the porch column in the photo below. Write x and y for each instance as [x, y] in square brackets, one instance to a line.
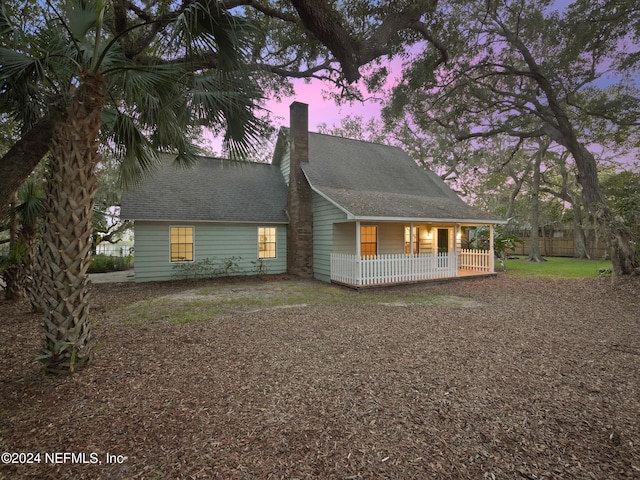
[491, 253]
[456, 229]
[411, 239]
[358, 255]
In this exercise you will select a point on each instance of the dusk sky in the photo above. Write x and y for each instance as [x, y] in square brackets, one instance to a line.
[320, 110]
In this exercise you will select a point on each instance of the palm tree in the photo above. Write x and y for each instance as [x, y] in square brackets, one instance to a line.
[24, 218]
[141, 106]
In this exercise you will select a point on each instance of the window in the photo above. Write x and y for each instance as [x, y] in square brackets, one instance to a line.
[266, 242]
[368, 240]
[416, 240]
[181, 244]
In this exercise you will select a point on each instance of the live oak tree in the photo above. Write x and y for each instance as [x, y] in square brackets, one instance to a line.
[521, 69]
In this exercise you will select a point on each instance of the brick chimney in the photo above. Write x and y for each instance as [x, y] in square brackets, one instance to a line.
[299, 207]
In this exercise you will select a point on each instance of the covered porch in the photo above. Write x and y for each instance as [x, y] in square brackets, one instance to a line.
[392, 253]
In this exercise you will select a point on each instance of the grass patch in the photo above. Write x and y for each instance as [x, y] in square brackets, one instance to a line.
[204, 304]
[557, 267]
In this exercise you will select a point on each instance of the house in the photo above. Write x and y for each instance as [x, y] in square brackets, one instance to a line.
[340, 210]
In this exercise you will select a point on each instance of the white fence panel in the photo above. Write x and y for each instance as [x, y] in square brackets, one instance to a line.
[477, 260]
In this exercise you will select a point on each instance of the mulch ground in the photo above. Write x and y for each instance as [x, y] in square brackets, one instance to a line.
[532, 379]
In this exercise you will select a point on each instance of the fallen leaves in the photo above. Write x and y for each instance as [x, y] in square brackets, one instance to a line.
[536, 379]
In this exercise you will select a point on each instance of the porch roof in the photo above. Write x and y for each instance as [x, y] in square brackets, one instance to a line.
[369, 180]
[367, 205]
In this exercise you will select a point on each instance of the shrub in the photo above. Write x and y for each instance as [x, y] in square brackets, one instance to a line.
[207, 268]
[106, 263]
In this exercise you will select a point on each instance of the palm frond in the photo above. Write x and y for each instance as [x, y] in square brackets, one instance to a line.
[82, 16]
[229, 100]
[203, 27]
[14, 64]
[7, 27]
[32, 202]
[137, 155]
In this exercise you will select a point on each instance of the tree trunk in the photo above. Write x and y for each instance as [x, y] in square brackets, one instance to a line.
[534, 249]
[14, 274]
[624, 256]
[580, 243]
[21, 159]
[66, 237]
[15, 281]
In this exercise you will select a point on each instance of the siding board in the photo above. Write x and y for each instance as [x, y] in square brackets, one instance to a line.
[325, 214]
[212, 241]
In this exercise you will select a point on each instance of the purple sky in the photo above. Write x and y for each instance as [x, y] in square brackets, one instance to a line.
[320, 110]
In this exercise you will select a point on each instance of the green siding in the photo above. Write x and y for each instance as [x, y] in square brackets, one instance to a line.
[325, 214]
[212, 241]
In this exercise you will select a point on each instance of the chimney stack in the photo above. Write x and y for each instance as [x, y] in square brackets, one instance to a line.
[299, 206]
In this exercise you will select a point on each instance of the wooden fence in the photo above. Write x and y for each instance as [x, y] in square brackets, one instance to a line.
[559, 247]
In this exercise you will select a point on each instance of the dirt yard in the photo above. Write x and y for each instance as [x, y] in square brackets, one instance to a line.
[504, 378]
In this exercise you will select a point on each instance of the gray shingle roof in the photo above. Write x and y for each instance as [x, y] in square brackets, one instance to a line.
[373, 180]
[213, 190]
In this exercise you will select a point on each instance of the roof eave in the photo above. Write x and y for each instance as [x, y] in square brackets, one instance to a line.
[182, 220]
[469, 221]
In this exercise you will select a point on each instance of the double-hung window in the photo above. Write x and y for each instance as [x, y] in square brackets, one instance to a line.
[267, 242]
[368, 240]
[181, 244]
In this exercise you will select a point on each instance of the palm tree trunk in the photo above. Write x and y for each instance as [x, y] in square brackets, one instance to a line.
[13, 274]
[66, 237]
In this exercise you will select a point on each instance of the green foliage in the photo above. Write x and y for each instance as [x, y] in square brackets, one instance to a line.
[622, 191]
[155, 103]
[502, 241]
[260, 266]
[207, 268]
[107, 263]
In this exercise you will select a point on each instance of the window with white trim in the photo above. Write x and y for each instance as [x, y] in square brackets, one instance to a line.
[181, 244]
[267, 242]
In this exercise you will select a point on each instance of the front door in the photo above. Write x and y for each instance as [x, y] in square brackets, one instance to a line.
[443, 247]
[443, 240]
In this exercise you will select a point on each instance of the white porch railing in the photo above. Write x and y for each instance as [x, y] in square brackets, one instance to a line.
[477, 260]
[391, 268]
[401, 268]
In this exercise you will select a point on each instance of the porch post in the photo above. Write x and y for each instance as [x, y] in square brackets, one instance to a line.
[456, 229]
[358, 255]
[411, 256]
[411, 239]
[491, 253]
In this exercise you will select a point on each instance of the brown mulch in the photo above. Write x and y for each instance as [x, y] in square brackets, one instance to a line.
[537, 379]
